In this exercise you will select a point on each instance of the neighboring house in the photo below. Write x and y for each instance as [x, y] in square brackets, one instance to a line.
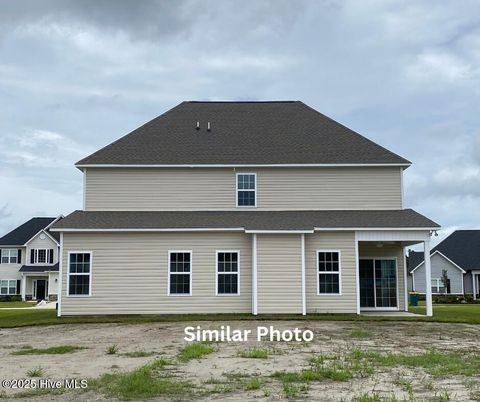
[235, 207]
[459, 254]
[29, 261]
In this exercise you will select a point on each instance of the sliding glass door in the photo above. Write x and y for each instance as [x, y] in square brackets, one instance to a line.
[378, 283]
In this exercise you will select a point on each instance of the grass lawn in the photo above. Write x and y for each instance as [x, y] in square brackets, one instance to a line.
[16, 304]
[54, 350]
[455, 313]
[467, 313]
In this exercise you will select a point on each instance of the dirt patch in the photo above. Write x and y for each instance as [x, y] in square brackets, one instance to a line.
[224, 375]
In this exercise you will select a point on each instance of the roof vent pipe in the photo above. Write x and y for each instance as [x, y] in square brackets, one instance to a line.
[208, 126]
[198, 125]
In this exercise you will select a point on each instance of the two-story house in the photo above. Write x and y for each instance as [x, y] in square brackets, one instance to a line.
[235, 207]
[29, 261]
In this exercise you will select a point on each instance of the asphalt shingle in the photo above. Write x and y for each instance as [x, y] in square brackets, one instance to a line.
[258, 133]
[26, 231]
[249, 220]
[462, 247]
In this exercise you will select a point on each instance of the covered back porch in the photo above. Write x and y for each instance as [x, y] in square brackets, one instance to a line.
[382, 269]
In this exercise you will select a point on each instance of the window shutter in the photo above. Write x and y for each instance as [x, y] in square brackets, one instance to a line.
[0, 256]
[18, 286]
[50, 256]
[19, 256]
[32, 256]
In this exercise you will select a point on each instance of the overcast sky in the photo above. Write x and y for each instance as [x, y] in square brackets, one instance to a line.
[76, 75]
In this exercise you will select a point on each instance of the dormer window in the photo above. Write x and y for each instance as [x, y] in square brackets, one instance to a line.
[246, 190]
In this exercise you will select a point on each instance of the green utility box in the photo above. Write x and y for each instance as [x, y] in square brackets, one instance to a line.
[413, 299]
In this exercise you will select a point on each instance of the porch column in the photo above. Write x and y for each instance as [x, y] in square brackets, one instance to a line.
[357, 273]
[428, 278]
[405, 279]
[254, 275]
[474, 285]
[24, 286]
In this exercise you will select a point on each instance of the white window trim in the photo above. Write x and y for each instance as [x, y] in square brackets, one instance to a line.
[90, 273]
[339, 272]
[9, 255]
[237, 190]
[217, 273]
[8, 287]
[35, 256]
[182, 273]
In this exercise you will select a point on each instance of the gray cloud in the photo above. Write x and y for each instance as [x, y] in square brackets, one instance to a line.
[75, 75]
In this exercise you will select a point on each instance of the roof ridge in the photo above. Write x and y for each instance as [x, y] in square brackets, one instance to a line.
[246, 101]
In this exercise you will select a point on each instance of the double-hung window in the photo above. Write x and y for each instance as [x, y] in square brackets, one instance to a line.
[437, 286]
[228, 269]
[41, 256]
[180, 273]
[79, 273]
[246, 189]
[329, 281]
[8, 287]
[10, 255]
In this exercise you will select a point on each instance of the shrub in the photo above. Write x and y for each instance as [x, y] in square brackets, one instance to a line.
[452, 299]
[195, 351]
[10, 298]
[111, 350]
[36, 372]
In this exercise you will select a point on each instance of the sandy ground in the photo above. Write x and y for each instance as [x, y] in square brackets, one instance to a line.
[166, 339]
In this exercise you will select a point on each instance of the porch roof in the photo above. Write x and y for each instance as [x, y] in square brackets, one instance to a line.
[38, 268]
[244, 220]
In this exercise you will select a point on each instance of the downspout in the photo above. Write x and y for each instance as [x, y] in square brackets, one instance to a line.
[254, 275]
[304, 296]
[60, 277]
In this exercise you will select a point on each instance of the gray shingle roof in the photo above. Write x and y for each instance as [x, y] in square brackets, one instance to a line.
[26, 231]
[258, 133]
[462, 247]
[249, 220]
[39, 268]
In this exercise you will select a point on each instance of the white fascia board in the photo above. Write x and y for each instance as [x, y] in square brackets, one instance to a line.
[444, 256]
[279, 231]
[46, 233]
[371, 229]
[83, 166]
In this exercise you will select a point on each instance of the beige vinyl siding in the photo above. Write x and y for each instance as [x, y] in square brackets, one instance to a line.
[345, 243]
[130, 273]
[279, 273]
[370, 250]
[215, 188]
